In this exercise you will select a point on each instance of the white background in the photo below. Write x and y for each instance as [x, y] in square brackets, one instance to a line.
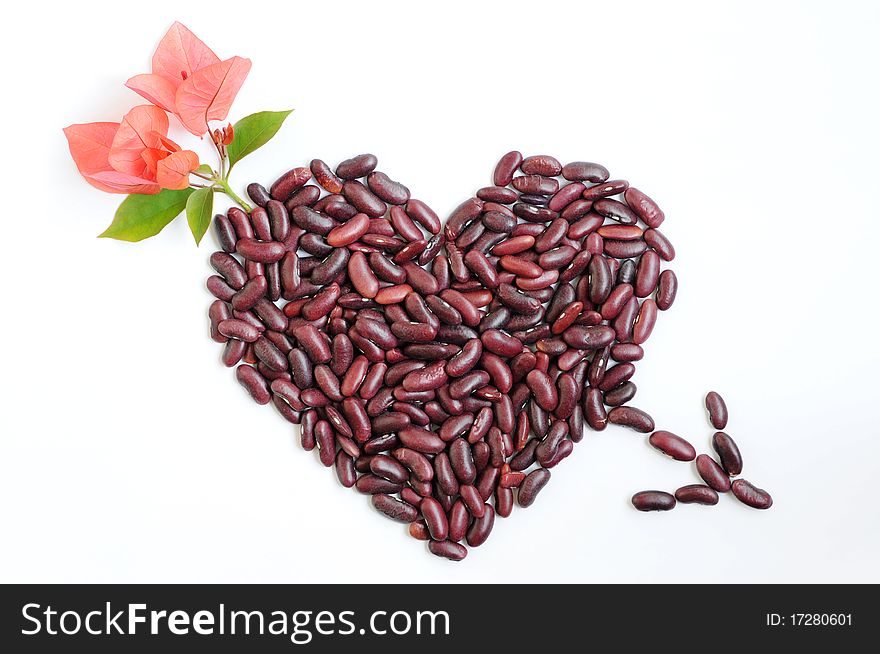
[129, 453]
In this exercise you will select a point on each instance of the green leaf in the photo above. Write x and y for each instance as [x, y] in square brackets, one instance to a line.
[253, 132]
[143, 216]
[198, 212]
[205, 169]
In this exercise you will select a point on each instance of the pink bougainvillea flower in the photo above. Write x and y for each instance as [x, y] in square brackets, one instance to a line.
[90, 148]
[190, 81]
[134, 156]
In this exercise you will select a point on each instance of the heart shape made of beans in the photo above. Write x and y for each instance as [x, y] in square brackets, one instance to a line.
[442, 369]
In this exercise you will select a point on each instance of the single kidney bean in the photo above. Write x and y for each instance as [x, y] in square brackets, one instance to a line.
[673, 446]
[325, 177]
[345, 472]
[623, 249]
[387, 189]
[531, 486]
[363, 199]
[585, 171]
[648, 274]
[667, 288]
[644, 207]
[435, 518]
[543, 389]
[258, 193]
[289, 182]
[359, 166]
[717, 410]
[605, 189]
[751, 495]
[631, 417]
[394, 508]
[653, 501]
[696, 494]
[712, 473]
[254, 383]
[620, 394]
[660, 244]
[644, 323]
[728, 453]
[447, 549]
[506, 167]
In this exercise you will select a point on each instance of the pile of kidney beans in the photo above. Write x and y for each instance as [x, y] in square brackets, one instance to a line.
[443, 369]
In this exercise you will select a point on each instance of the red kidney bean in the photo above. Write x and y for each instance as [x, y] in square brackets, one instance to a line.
[447, 549]
[627, 352]
[289, 182]
[644, 323]
[660, 244]
[653, 501]
[506, 167]
[631, 417]
[424, 215]
[384, 466]
[585, 171]
[260, 251]
[394, 508]
[615, 376]
[325, 177]
[605, 189]
[648, 274]
[644, 207]
[435, 518]
[565, 197]
[462, 216]
[728, 453]
[459, 518]
[258, 193]
[712, 473]
[543, 390]
[303, 196]
[359, 166]
[666, 290]
[462, 461]
[497, 194]
[673, 446]
[696, 494]
[363, 199]
[219, 288]
[623, 249]
[717, 409]
[238, 329]
[416, 462]
[531, 486]
[225, 233]
[345, 472]
[541, 164]
[750, 495]
[481, 528]
[594, 409]
[387, 189]
[254, 383]
[535, 184]
[372, 485]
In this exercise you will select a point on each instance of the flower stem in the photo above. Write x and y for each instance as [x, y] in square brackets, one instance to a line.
[223, 185]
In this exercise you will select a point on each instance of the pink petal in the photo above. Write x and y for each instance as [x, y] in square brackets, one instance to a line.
[116, 182]
[141, 128]
[89, 145]
[209, 93]
[173, 171]
[180, 54]
[154, 88]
